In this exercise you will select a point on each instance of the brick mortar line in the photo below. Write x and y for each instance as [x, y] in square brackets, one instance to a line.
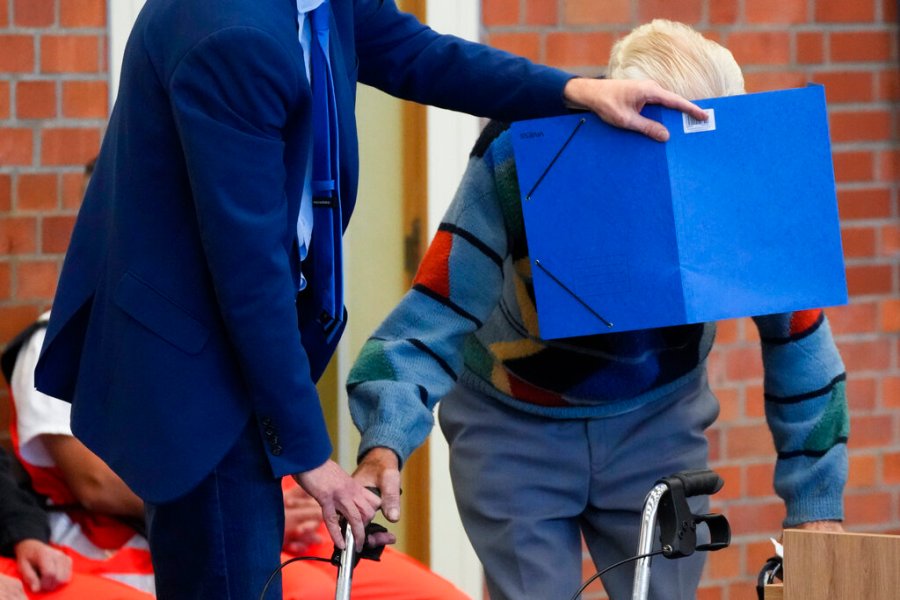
[856, 106]
[53, 30]
[19, 170]
[823, 67]
[19, 303]
[874, 68]
[58, 123]
[41, 214]
[728, 28]
[48, 77]
[865, 223]
[866, 146]
[65, 77]
[42, 170]
[849, 67]
[42, 124]
[855, 65]
[875, 335]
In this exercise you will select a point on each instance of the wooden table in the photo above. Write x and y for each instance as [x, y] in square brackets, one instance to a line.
[838, 566]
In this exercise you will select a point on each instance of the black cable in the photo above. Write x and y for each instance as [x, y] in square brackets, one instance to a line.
[374, 490]
[610, 568]
[262, 595]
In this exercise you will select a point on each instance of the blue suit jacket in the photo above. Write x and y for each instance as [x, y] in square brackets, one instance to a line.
[176, 320]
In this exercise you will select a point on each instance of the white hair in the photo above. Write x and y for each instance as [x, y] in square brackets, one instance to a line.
[679, 59]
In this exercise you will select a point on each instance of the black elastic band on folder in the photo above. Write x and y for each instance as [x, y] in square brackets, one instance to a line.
[571, 293]
[552, 162]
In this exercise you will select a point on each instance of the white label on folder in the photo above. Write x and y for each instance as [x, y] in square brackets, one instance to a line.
[692, 125]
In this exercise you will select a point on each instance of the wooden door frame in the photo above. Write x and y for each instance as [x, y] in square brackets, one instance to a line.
[416, 501]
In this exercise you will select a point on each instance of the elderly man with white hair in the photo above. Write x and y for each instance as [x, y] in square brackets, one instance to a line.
[552, 440]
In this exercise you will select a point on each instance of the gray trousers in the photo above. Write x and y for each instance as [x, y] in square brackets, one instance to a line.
[528, 487]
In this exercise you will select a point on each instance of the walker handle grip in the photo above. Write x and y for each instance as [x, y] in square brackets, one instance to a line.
[699, 482]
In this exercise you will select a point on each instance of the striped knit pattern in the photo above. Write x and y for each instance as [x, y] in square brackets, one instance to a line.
[806, 408]
[470, 317]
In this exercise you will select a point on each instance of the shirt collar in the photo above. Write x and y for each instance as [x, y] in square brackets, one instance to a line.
[305, 6]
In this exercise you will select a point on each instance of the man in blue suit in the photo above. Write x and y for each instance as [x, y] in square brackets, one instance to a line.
[177, 331]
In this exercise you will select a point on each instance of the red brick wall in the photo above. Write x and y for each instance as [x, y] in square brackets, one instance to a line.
[852, 48]
[53, 107]
[53, 103]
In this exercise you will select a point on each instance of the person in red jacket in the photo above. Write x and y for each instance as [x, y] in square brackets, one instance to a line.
[29, 566]
[105, 518]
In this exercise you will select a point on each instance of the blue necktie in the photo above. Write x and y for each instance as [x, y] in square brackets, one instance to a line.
[326, 251]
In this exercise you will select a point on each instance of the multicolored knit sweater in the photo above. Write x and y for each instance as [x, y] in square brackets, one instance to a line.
[470, 320]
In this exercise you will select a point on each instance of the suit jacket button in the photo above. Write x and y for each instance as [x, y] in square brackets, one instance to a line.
[266, 422]
[276, 450]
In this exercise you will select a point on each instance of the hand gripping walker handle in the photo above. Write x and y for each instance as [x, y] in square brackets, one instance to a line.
[347, 558]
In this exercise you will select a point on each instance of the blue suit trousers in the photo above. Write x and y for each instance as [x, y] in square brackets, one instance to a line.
[221, 540]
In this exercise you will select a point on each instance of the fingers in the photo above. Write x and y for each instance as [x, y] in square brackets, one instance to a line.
[650, 92]
[296, 548]
[11, 588]
[55, 569]
[333, 525]
[359, 509]
[50, 579]
[293, 497]
[309, 538]
[652, 129]
[42, 567]
[390, 495]
[671, 100]
[307, 513]
[340, 495]
[381, 467]
[355, 522]
[65, 571]
[382, 538]
[619, 103]
[358, 527]
[302, 532]
[29, 575]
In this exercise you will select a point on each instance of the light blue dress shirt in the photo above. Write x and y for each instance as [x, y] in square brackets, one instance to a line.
[305, 220]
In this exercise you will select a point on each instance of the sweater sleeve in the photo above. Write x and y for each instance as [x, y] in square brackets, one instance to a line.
[806, 409]
[20, 516]
[413, 358]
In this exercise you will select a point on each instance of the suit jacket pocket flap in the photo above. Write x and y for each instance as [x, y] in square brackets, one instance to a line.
[160, 315]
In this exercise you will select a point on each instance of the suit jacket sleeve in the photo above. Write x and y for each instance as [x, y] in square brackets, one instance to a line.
[232, 95]
[400, 56]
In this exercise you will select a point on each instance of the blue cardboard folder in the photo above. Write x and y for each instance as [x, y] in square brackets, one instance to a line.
[730, 218]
